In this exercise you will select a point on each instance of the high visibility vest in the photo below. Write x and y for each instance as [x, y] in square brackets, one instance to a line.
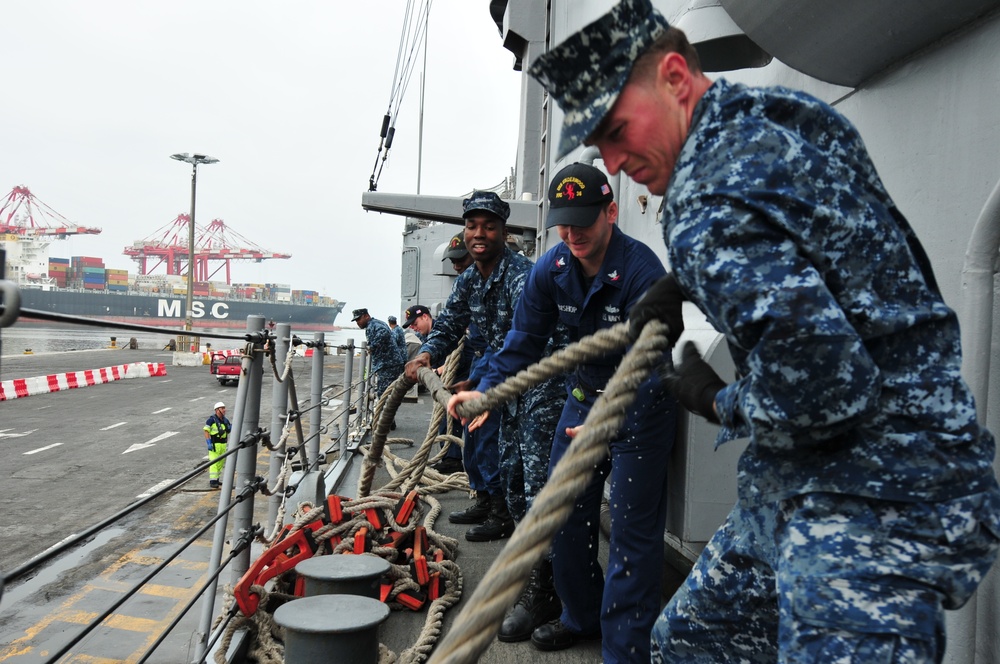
[217, 429]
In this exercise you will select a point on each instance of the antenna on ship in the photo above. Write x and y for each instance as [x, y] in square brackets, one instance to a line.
[412, 36]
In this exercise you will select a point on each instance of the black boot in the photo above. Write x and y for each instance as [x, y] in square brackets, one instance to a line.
[474, 513]
[537, 605]
[498, 524]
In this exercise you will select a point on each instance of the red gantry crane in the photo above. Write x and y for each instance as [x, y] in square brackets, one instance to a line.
[218, 243]
[24, 215]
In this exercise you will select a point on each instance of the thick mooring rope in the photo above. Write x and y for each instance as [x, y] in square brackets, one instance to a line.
[602, 342]
[393, 397]
[479, 621]
[386, 409]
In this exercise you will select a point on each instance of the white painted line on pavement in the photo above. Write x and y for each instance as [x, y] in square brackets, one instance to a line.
[42, 449]
[162, 410]
[150, 443]
[4, 434]
[113, 426]
[196, 399]
[153, 489]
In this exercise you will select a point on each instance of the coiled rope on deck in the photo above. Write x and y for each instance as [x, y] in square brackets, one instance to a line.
[479, 622]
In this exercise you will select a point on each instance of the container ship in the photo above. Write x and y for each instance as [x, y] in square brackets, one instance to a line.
[83, 286]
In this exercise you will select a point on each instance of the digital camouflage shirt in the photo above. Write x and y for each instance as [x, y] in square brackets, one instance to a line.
[385, 352]
[780, 230]
[488, 302]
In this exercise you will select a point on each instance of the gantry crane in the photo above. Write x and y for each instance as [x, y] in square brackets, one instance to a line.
[24, 215]
[168, 246]
[27, 227]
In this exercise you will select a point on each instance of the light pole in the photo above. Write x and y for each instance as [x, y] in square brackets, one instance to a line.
[194, 160]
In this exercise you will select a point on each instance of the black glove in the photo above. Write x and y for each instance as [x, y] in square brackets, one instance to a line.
[695, 384]
[661, 302]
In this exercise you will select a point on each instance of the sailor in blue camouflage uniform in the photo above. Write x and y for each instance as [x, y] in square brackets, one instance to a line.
[467, 457]
[589, 282]
[397, 333]
[867, 500]
[387, 357]
[486, 296]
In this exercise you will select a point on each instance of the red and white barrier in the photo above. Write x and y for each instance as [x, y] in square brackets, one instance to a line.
[26, 387]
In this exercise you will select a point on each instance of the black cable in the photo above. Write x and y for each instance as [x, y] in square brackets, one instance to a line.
[98, 322]
[412, 35]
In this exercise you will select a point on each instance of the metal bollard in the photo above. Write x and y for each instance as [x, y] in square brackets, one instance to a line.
[343, 575]
[317, 626]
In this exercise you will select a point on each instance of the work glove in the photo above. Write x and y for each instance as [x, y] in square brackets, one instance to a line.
[695, 384]
[210, 445]
[661, 302]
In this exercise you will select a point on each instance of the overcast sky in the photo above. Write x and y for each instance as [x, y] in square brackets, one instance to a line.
[288, 96]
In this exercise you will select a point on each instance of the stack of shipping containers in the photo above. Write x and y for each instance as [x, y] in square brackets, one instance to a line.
[305, 296]
[117, 280]
[87, 272]
[59, 271]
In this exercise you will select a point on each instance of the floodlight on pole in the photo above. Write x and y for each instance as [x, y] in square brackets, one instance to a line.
[194, 160]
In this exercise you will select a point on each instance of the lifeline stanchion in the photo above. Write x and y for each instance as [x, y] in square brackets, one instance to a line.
[246, 460]
[345, 423]
[315, 399]
[279, 411]
[477, 624]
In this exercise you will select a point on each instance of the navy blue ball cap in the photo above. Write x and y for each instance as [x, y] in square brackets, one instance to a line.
[456, 248]
[577, 194]
[358, 313]
[586, 73]
[487, 201]
[413, 313]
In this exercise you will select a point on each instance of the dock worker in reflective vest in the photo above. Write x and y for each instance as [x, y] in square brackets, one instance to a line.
[217, 428]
